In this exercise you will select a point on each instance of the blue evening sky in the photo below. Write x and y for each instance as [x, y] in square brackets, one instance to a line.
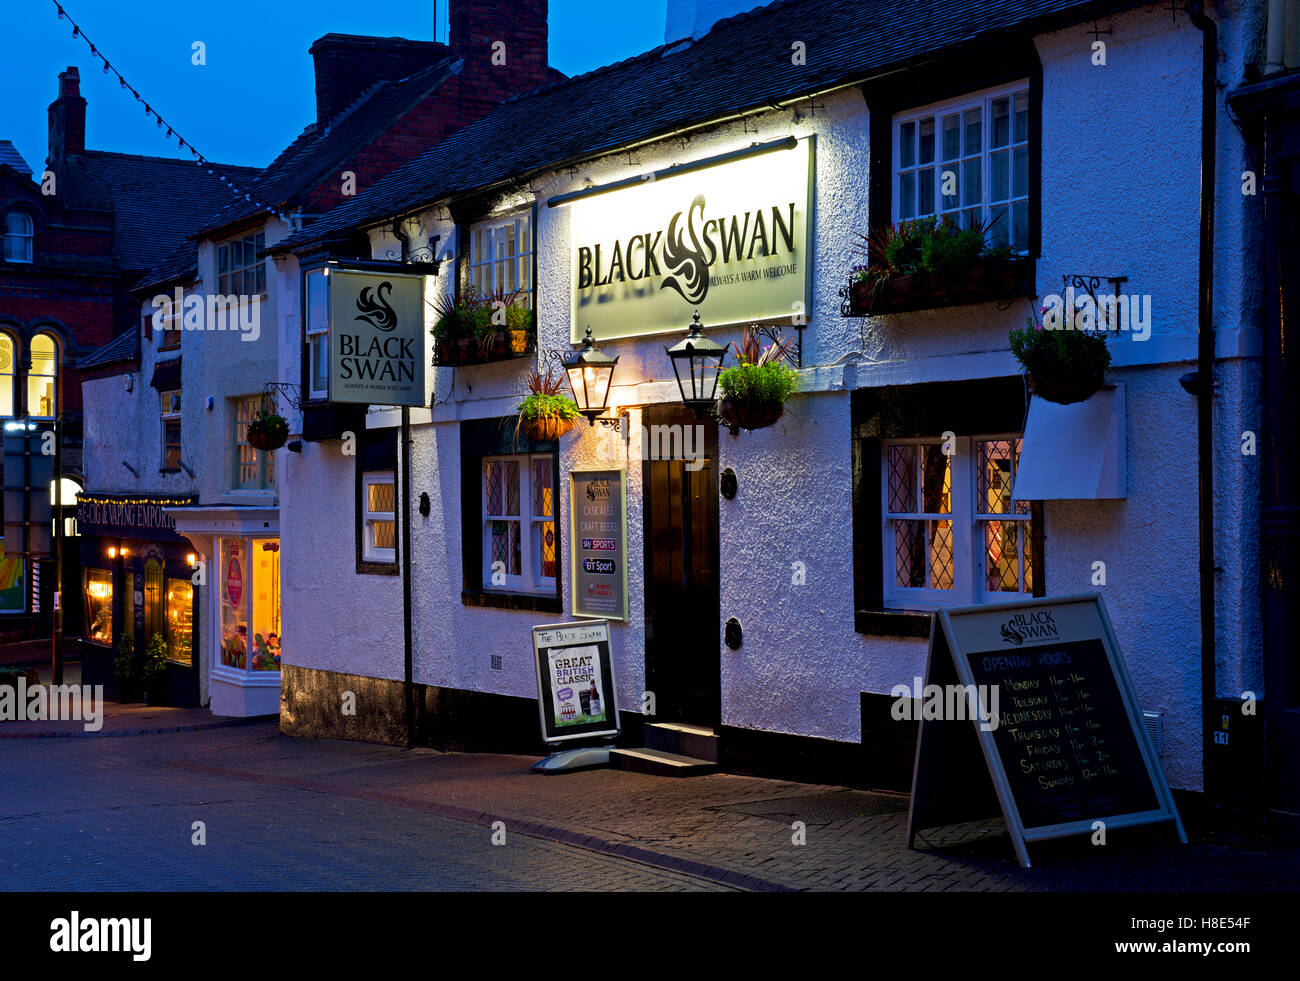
[256, 92]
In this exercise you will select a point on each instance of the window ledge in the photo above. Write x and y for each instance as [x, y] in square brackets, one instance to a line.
[512, 601]
[169, 469]
[892, 623]
[366, 567]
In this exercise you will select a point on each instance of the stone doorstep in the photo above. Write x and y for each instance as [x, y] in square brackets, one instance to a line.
[659, 763]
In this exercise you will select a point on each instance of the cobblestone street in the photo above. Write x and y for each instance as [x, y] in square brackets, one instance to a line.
[102, 813]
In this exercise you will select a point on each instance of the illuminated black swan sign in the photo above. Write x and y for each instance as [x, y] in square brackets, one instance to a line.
[376, 338]
[729, 240]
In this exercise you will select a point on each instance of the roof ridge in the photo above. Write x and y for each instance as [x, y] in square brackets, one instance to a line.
[176, 160]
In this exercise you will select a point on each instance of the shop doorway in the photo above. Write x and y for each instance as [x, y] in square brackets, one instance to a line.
[680, 481]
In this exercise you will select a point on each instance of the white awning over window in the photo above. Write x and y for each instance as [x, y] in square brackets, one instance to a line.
[1074, 452]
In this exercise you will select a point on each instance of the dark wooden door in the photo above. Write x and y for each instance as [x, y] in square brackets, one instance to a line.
[681, 556]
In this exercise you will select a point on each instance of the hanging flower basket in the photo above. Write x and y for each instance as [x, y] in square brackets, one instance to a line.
[1065, 389]
[749, 414]
[268, 431]
[547, 428]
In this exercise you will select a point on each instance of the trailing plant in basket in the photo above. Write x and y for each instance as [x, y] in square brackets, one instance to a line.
[755, 390]
[545, 413]
[268, 430]
[1064, 364]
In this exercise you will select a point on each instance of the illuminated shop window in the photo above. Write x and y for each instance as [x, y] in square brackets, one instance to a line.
[519, 537]
[99, 606]
[180, 621]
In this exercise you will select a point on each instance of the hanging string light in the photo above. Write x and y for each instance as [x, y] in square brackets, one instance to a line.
[149, 111]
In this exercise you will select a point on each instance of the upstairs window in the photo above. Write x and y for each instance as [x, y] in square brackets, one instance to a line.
[20, 234]
[316, 285]
[169, 337]
[253, 469]
[171, 430]
[239, 271]
[42, 378]
[501, 257]
[967, 160]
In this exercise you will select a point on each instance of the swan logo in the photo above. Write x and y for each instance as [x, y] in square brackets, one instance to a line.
[687, 263]
[374, 308]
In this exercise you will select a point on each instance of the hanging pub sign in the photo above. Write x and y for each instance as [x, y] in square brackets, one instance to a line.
[1036, 695]
[730, 239]
[598, 543]
[575, 680]
[376, 337]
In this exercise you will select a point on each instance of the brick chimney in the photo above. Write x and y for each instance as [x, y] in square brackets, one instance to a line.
[348, 64]
[68, 118]
[504, 44]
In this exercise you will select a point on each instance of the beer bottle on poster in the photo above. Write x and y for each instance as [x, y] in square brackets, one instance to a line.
[595, 699]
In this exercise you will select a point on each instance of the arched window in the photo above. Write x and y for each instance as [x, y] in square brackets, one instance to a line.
[42, 378]
[20, 232]
[8, 370]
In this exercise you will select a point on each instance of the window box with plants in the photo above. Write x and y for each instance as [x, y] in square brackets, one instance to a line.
[482, 328]
[267, 430]
[1063, 362]
[929, 263]
[755, 390]
[545, 414]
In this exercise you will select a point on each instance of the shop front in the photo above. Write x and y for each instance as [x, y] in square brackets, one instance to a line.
[140, 595]
[239, 549]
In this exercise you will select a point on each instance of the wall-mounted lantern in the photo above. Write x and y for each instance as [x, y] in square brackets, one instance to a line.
[697, 362]
[590, 373]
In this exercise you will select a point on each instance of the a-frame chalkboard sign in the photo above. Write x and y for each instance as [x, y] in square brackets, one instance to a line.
[1068, 748]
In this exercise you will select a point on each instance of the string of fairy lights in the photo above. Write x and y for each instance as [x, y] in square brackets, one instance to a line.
[235, 187]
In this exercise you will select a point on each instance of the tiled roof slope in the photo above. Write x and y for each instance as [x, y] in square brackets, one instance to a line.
[124, 347]
[744, 63]
[319, 151]
[157, 201]
[181, 266]
[9, 155]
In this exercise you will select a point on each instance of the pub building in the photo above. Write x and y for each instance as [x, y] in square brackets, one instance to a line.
[769, 585]
[138, 583]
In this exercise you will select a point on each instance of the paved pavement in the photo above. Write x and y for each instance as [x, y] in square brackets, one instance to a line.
[109, 815]
[99, 813]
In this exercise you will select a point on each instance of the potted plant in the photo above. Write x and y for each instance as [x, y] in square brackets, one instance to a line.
[1064, 364]
[931, 262]
[126, 671]
[545, 414]
[268, 430]
[755, 390]
[477, 328]
[153, 670]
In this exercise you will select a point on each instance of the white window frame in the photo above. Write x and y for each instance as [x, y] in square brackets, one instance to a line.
[968, 566]
[369, 551]
[317, 335]
[265, 461]
[27, 237]
[983, 101]
[485, 240]
[256, 266]
[53, 376]
[530, 578]
[171, 412]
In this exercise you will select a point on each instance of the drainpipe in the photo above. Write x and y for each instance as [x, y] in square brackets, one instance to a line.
[1205, 376]
[404, 543]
